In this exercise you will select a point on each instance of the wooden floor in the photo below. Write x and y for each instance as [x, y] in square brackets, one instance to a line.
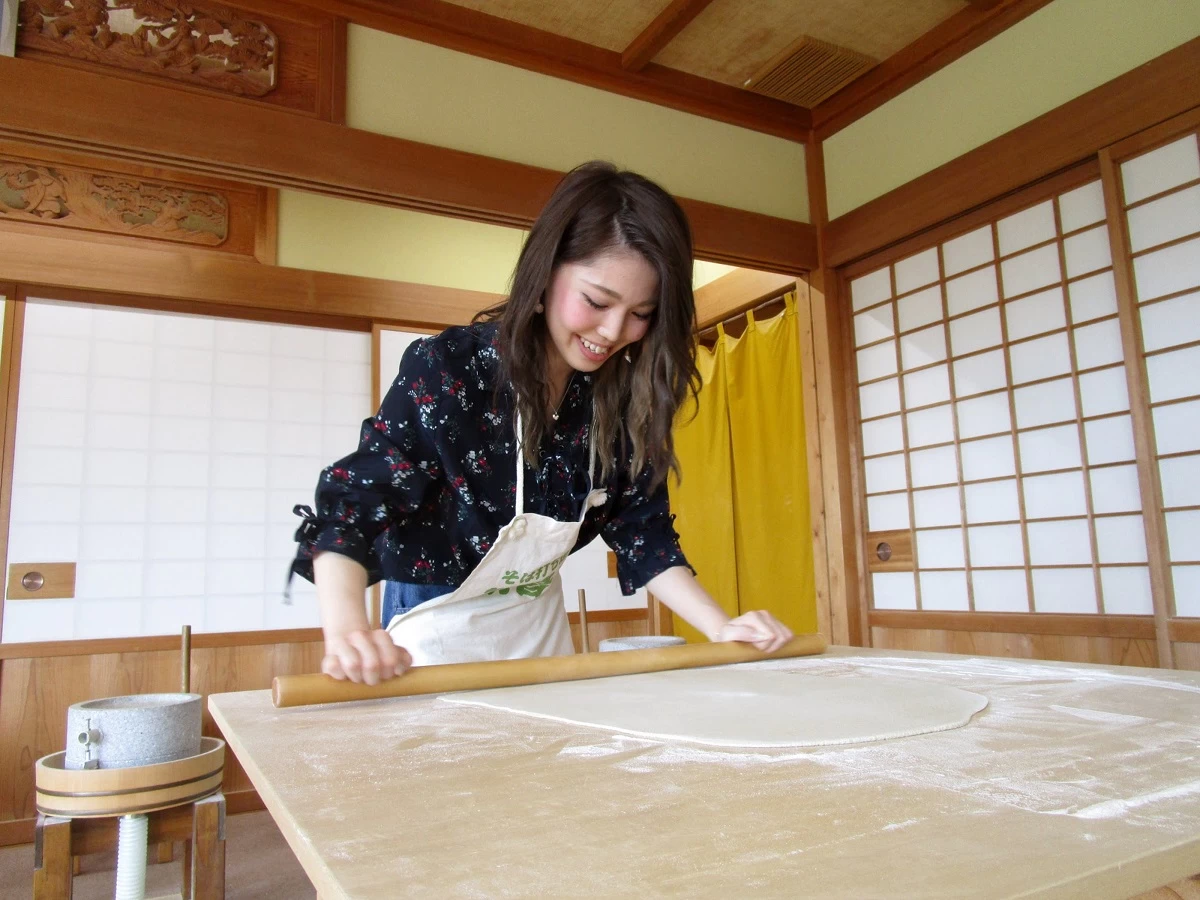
[258, 866]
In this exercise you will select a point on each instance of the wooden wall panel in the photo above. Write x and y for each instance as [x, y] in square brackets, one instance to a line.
[35, 693]
[1187, 656]
[222, 283]
[1066, 648]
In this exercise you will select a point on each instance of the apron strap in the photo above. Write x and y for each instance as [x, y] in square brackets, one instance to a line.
[520, 466]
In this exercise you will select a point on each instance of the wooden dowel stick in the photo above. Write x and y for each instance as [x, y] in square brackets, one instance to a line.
[303, 690]
[185, 660]
[583, 629]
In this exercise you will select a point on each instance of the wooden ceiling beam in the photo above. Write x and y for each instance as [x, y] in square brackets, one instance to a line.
[192, 280]
[972, 27]
[666, 25]
[735, 292]
[51, 105]
[491, 37]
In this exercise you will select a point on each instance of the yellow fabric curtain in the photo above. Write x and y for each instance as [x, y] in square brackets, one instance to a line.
[742, 507]
[703, 501]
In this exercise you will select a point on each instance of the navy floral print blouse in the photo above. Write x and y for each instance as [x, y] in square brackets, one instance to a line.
[434, 477]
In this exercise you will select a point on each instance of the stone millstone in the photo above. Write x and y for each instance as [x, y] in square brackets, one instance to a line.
[135, 730]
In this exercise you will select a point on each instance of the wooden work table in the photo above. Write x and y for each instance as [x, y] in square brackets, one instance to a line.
[1077, 781]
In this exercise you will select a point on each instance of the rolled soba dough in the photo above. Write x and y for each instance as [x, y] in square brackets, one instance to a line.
[728, 707]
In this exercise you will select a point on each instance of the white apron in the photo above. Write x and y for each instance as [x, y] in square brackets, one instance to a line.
[511, 605]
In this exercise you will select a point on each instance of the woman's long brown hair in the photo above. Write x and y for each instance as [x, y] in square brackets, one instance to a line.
[596, 209]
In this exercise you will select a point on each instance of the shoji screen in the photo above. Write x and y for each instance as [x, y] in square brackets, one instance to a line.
[162, 454]
[995, 419]
[1160, 195]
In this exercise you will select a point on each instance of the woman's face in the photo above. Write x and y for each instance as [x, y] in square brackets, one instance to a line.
[597, 307]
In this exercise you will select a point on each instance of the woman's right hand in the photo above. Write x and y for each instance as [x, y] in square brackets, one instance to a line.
[364, 656]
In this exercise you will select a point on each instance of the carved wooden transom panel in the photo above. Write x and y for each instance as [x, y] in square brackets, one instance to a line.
[120, 204]
[205, 44]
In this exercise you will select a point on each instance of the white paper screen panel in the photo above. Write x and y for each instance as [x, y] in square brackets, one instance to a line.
[1161, 273]
[1000, 590]
[191, 439]
[981, 373]
[1186, 582]
[1035, 314]
[885, 474]
[874, 325]
[1087, 251]
[879, 399]
[927, 386]
[919, 308]
[974, 290]
[944, 591]
[992, 501]
[1127, 590]
[968, 251]
[1174, 375]
[1015, 405]
[916, 271]
[1093, 297]
[1161, 170]
[1081, 207]
[1180, 476]
[871, 289]
[1030, 271]
[1170, 323]
[1031, 226]
[1163, 219]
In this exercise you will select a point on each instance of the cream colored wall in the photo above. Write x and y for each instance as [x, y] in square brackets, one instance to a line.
[1058, 53]
[705, 272]
[426, 93]
[328, 234]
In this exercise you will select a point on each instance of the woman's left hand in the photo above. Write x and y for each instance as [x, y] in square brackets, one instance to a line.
[759, 628]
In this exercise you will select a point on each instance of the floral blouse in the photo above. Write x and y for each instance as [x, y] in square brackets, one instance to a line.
[434, 477]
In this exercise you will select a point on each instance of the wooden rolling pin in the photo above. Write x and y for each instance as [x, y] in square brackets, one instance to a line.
[303, 690]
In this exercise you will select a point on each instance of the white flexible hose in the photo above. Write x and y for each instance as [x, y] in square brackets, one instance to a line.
[131, 858]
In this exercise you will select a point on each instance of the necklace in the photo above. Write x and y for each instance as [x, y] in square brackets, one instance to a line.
[557, 409]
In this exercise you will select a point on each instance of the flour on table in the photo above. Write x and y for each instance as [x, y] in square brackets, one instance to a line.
[744, 707]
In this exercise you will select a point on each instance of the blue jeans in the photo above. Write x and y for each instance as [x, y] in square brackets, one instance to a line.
[399, 597]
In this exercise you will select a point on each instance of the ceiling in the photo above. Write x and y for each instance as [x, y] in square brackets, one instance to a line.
[729, 41]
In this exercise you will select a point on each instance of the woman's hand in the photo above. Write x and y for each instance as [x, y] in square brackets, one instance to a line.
[364, 656]
[679, 590]
[759, 628]
[353, 649]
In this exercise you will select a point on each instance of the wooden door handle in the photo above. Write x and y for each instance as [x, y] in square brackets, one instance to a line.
[303, 690]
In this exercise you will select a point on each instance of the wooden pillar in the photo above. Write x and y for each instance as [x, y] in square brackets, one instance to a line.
[829, 334]
[1162, 588]
[52, 859]
[185, 891]
[208, 848]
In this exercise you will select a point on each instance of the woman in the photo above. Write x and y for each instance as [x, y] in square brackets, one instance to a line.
[503, 446]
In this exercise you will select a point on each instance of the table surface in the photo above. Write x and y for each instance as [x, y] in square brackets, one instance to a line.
[1076, 781]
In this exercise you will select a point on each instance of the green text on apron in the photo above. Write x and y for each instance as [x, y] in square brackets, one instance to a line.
[511, 605]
